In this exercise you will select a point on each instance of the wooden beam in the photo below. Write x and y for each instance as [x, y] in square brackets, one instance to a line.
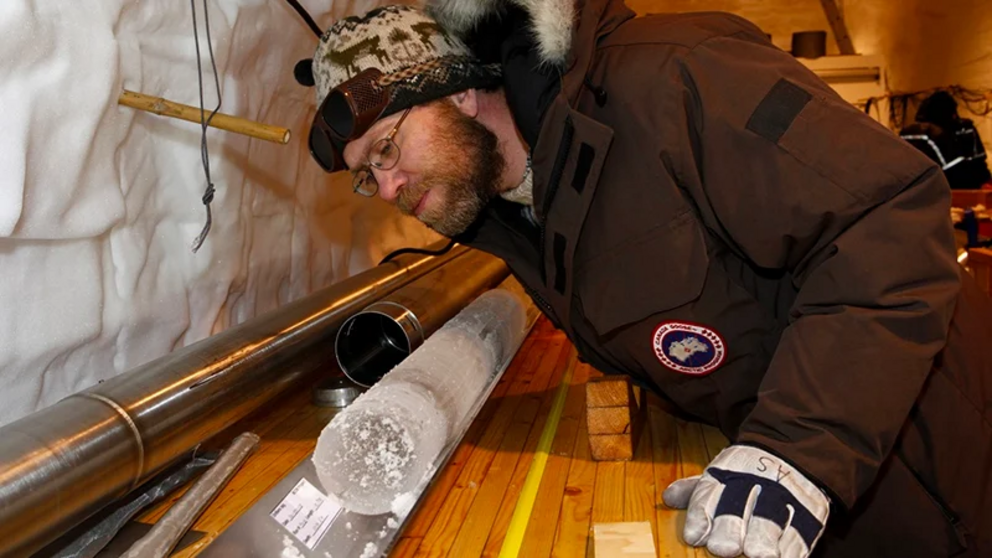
[609, 391]
[836, 19]
[608, 420]
[614, 418]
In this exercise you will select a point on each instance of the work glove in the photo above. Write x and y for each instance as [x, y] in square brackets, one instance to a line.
[752, 502]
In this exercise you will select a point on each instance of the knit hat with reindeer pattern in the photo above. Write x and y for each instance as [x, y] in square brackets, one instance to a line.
[421, 60]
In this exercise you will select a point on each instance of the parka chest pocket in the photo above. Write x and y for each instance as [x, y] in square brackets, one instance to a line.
[658, 270]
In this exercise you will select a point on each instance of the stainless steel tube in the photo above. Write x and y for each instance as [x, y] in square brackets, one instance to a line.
[159, 542]
[61, 464]
[373, 341]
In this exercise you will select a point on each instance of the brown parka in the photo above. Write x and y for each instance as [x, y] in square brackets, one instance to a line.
[714, 220]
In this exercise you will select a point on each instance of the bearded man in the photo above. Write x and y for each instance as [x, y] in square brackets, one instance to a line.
[696, 209]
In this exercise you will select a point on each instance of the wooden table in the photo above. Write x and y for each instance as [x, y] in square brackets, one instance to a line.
[468, 510]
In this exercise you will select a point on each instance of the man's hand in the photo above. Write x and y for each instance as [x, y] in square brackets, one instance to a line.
[748, 500]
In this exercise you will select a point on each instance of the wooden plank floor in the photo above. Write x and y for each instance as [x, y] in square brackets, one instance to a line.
[468, 510]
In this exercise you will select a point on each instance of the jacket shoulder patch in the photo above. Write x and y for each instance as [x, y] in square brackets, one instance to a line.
[778, 110]
[689, 348]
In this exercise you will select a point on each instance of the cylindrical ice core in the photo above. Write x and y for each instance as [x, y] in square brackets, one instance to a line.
[381, 446]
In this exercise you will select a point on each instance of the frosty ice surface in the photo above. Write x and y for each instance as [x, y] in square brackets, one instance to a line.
[382, 445]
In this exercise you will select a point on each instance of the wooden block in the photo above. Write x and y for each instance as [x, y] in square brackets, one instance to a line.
[609, 391]
[623, 540]
[611, 447]
[608, 420]
[614, 431]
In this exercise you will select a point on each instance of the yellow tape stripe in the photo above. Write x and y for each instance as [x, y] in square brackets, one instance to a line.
[525, 503]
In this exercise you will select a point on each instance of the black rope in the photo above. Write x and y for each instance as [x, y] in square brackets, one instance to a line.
[401, 251]
[306, 17]
[208, 194]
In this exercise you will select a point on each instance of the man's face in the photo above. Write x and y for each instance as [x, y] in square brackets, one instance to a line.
[449, 168]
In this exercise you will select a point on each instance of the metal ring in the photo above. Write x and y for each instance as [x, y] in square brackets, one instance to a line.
[413, 316]
[130, 422]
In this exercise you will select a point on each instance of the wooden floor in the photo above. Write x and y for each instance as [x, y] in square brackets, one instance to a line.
[468, 510]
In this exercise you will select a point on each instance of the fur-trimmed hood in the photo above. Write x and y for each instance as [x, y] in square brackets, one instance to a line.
[551, 21]
[545, 47]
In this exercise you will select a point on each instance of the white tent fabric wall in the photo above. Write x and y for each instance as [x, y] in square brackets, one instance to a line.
[99, 204]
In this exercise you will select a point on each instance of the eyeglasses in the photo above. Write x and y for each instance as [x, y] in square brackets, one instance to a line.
[383, 155]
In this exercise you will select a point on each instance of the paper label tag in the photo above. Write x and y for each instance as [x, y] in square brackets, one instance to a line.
[306, 512]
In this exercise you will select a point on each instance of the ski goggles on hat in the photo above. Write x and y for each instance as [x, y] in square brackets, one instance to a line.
[348, 111]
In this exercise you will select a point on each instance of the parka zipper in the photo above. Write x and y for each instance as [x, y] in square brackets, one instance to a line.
[538, 299]
[541, 303]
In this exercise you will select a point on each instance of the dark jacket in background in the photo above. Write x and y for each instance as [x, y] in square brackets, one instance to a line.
[957, 147]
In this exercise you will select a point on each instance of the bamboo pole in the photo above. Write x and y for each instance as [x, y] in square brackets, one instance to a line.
[234, 124]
